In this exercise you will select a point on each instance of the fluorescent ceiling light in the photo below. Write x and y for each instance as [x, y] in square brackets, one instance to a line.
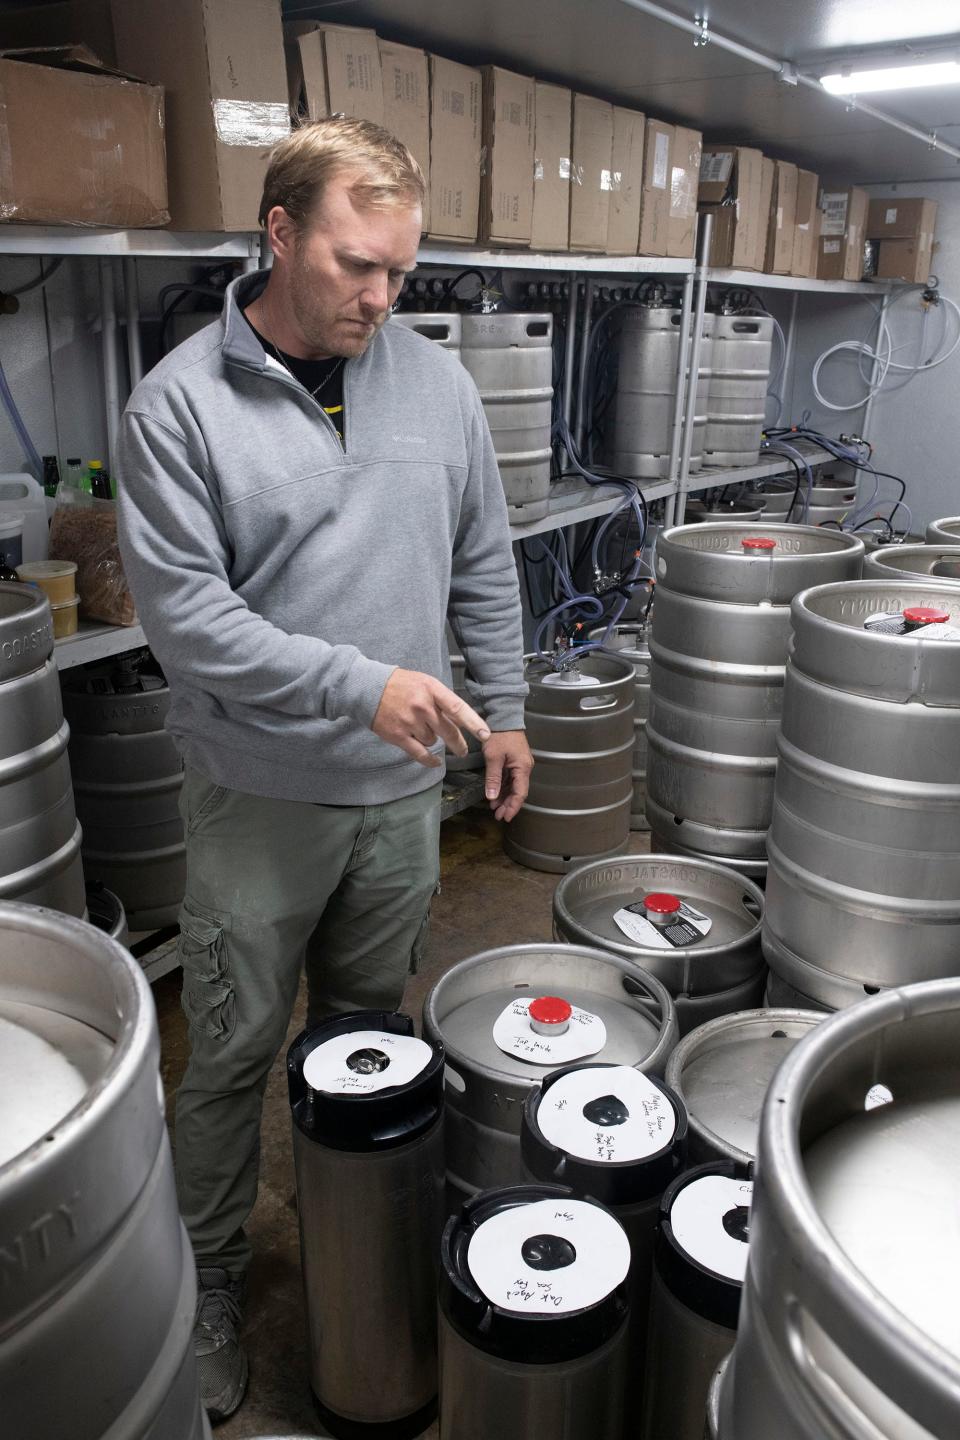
[899, 77]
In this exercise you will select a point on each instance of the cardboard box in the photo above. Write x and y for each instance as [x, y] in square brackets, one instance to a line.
[455, 143]
[506, 170]
[406, 105]
[768, 176]
[657, 178]
[306, 73]
[731, 190]
[551, 168]
[222, 66]
[909, 260]
[686, 153]
[590, 173]
[351, 82]
[626, 182]
[67, 22]
[783, 219]
[807, 232]
[843, 223]
[81, 144]
[895, 219]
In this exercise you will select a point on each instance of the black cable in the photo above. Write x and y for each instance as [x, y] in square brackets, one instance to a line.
[451, 285]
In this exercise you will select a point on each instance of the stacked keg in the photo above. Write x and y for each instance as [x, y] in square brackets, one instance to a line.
[39, 835]
[632, 642]
[945, 531]
[442, 327]
[864, 846]
[649, 362]
[579, 723]
[721, 627]
[737, 392]
[848, 1326]
[127, 776]
[743, 512]
[511, 359]
[933, 562]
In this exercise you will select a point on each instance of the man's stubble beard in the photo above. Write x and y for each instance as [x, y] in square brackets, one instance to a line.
[320, 335]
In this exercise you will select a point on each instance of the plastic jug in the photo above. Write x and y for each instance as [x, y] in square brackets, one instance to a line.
[22, 495]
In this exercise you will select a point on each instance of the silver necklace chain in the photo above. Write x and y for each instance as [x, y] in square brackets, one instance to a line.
[323, 383]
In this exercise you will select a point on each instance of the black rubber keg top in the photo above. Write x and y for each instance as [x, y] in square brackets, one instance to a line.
[615, 1183]
[712, 1296]
[523, 1338]
[380, 1120]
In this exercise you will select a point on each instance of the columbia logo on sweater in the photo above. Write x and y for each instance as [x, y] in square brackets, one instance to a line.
[409, 439]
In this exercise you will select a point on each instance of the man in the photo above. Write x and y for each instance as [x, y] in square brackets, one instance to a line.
[304, 490]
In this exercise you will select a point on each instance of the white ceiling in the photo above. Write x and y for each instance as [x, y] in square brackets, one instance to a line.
[607, 47]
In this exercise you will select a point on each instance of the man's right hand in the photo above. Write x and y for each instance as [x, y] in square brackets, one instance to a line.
[416, 711]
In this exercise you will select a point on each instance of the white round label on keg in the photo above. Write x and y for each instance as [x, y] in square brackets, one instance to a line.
[710, 1220]
[513, 1032]
[550, 1257]
[363, 1061]
[610, 1115]
[686, 927]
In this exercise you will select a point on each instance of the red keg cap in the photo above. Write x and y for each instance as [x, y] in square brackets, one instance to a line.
[550, 1010]
[759, 542]
[925, 615]
[660, 904]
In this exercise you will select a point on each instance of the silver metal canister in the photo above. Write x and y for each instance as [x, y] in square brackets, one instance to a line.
[509, 1017]
[632, 642]
[700, 1259]
[722, 1072]
[693, 924]
[740, 374]
[945, 531]
[98, 1290]
[649, 351]
[849, 1321]
[696, 512]
[533, 1318]
[914, 562]
[366, 1101]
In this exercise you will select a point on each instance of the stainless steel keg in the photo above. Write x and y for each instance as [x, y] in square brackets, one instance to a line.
[935, 563]
[779, 995]
[127, 775]
[366, 1099]
[484, 1012]
[737, 396]
[39, 835]
[105, 911]
[443, 327]
[580, 728]
[511, 359]
[631, 642]
[649, 359]
[619, 1136]
[697, 512]
[694, 925]
[99, 1284]
[700, 1259]
[755, 870]
[712, 1430]
[849, 1327]
[721, 626]
[533, 1312]
[777, 496]
[722, 1072]
[863, 889]
[945, 531]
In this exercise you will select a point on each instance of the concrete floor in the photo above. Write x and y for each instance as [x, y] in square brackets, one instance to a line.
[485, 901]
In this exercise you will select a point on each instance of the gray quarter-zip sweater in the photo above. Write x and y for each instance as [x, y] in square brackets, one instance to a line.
[280, 580]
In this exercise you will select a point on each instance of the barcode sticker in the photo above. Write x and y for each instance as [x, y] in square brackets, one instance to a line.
[715, 167]
[833, 204]
[890, 216]
[831, 247]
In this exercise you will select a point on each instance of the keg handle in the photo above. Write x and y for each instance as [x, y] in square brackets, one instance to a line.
[827, 1394]
[598, 702]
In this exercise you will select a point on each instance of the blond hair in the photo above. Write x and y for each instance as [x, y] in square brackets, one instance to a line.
[302, 165]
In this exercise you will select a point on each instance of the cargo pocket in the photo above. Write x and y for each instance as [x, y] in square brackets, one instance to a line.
[207, 998]
[423, 935]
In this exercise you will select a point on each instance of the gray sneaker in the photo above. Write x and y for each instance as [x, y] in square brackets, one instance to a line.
[221, 1359]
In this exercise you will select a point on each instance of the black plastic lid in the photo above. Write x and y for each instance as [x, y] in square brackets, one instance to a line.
[525, 1339]
[714, 1297]
[381, 1120]
[614, 1183]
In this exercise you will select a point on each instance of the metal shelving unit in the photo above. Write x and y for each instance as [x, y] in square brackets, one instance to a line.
[126, 244]
[94, 641]
[708, 477]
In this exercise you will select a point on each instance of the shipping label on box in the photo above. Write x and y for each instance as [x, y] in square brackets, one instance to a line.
[655, 200]
[455, 147]
[684, 181]
[833, 211]
[550, 228]
[841, 252]
[623, 227]
[716, 173]
[406, 105]
[506, 169]
[590, 173]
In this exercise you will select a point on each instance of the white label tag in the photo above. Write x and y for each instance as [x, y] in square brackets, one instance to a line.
[890, 216]
[365, 1060]
[697, 1220]
[715, 167]
[831, 247]
[834, 208]
[514, 1034]
[607, 1115]
[550, 1257]
[661, 161]
[686, 928]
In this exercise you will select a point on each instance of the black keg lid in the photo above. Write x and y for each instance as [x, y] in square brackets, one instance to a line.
[335, 1113]
[701, 1245]
[534, 1336]
[649, 1130]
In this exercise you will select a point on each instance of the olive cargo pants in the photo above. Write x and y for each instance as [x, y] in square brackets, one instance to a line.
[271, 885]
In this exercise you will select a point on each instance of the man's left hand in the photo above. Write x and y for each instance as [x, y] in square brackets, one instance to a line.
[508, 763]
